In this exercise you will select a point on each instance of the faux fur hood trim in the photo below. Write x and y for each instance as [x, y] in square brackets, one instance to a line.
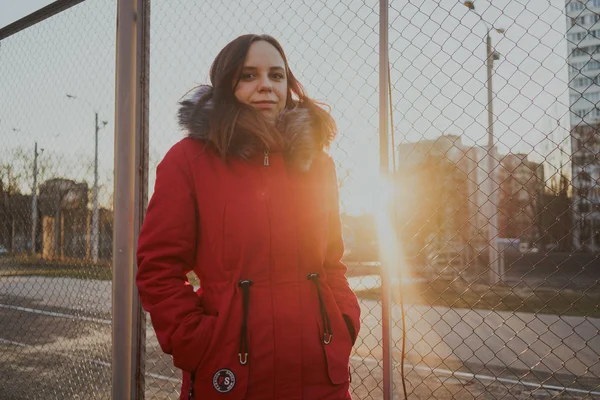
[301, 143]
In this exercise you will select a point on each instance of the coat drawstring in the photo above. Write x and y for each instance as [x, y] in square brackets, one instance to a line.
[243, 353]
[327, 332]
[191, 391]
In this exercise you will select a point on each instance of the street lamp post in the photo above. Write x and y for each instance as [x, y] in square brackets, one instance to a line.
[34, 212]
[491, 156]
[95, 217]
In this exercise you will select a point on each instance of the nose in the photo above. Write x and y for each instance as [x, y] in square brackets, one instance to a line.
[265, 85]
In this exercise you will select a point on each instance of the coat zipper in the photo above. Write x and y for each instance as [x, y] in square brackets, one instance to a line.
[266, 160]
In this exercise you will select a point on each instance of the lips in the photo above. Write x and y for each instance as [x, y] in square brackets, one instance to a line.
[264, 104]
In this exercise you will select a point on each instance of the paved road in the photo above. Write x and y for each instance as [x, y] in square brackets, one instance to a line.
[55, 343]
[484, 341]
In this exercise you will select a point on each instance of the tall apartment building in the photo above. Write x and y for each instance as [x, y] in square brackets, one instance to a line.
[583, 49]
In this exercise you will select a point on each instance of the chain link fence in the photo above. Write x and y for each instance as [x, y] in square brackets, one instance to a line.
[57, 105]
[488, 225]
[490, 118]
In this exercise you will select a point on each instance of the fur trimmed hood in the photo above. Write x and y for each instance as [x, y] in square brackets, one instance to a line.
[301, 143]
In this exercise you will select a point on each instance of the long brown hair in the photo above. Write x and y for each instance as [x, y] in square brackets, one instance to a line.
[231, 119]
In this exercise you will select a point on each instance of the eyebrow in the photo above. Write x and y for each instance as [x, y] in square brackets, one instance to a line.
[251, 68]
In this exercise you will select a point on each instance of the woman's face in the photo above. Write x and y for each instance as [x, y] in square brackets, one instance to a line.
[263, 81]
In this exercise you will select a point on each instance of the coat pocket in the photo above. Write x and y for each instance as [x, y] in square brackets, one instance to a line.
[337, 346]
[192, 340]
[220, 374]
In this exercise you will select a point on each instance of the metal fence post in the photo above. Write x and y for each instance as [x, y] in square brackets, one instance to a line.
[384, 171]
[131, 139]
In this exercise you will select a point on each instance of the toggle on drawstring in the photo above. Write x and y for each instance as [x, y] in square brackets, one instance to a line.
[243, 353]
[327, 332]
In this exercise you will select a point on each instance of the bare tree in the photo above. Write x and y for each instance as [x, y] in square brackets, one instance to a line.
[10, 182]
[16, 184]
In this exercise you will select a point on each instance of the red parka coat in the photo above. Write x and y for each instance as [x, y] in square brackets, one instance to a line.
[275, 317]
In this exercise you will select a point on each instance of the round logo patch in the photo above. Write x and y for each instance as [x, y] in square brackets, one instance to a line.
[224, 380]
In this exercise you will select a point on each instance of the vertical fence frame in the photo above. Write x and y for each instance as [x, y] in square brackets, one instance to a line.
[386, 288]
[131, 188]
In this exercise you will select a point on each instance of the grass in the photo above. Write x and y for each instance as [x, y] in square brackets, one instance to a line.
[460, 294]
[26, 265]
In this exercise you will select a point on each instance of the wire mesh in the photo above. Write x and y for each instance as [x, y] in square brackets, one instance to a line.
[474, 327]
[493, 105]
[57, 86]
[489, 223]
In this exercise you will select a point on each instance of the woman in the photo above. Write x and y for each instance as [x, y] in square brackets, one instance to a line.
[249, 202]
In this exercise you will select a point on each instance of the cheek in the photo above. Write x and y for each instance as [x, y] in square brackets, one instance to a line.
[282, 95]
[242, 93]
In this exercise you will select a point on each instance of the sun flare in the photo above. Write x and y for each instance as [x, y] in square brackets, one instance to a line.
[385, 207]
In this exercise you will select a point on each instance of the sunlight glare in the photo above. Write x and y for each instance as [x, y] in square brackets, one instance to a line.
[385, 209]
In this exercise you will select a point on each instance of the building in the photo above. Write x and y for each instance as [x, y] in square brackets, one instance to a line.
[443, 184]
[15, 221]
[583, 42]
[63, 207]
[439, 199]
[521, 184]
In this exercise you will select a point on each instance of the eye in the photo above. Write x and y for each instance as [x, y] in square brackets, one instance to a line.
[247, 76]
[277, 76]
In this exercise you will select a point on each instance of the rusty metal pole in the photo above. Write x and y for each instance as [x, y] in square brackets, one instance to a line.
[131, 171]
[386, 292]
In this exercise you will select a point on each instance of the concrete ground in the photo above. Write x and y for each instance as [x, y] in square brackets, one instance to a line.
[55, 341]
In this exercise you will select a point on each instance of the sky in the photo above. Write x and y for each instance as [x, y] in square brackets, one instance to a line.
[438, 76]
[13, 10]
